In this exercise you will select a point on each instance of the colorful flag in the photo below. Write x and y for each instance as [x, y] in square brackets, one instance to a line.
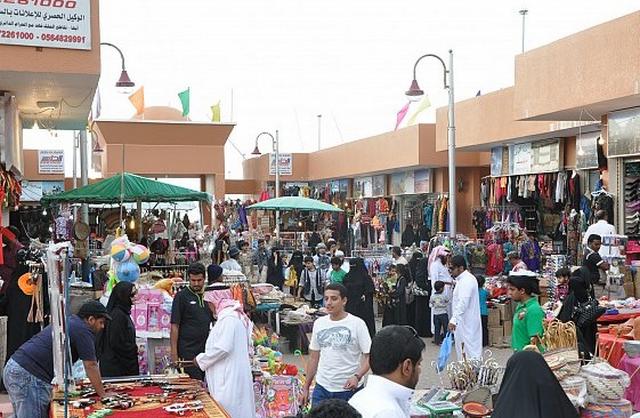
[137, 100]
[424, 104]
[184, 99]
[215, 112]
[401, 114]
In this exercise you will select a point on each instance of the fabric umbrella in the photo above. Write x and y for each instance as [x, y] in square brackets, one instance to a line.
[295, 203]
[127, 187]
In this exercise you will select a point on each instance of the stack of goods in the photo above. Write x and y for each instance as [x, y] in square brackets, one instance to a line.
[151, 314]
[606, 386]
[548, 283]
[500, 324]
[632, 199]
[276, 384]
[468, 374]
[561, 344]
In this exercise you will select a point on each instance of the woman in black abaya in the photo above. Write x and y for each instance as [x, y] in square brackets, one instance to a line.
[116, 345]
[529, 389]
[422, 292]
[275, 269]
[360, 293]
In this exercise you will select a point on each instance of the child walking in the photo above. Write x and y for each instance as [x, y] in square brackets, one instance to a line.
[484, 311]
[439, 303]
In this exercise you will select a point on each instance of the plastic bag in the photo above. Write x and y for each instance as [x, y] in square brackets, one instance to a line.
[445, 352]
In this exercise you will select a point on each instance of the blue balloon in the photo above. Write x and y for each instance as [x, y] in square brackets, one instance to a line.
[128, 271]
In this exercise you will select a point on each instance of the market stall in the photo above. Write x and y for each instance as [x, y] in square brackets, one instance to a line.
[144, 396]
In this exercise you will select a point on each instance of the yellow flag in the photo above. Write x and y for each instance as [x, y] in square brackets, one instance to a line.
[424, 104]
[137, 100]
[215, 112]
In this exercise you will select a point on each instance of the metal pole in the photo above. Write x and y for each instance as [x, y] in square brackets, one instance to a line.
[319, 130]
[84, 171]
[75, 170]
[276, 145]
[451, 136]
[523, 12]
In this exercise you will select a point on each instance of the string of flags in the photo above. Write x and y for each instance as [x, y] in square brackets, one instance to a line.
[137, 100]
[423, 105]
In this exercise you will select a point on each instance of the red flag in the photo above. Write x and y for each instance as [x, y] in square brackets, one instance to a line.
[401, 114]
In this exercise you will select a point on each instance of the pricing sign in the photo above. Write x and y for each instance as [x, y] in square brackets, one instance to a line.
[46, 23]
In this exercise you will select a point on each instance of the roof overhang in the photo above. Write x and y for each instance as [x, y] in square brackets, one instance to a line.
[155, 133]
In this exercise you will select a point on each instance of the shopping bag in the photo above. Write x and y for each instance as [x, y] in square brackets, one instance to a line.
[445, 352]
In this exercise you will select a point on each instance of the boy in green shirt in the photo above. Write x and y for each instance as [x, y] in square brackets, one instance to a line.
[529, 316]
[336, 275]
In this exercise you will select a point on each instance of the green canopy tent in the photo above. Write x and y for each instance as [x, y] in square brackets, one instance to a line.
[295, 203]
[127, 187]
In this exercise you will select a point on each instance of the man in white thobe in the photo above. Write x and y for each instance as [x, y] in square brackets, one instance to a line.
[226, 361]
[602, 228]
[465, 321]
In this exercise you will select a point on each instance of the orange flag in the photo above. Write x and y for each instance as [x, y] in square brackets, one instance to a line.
[137, 100]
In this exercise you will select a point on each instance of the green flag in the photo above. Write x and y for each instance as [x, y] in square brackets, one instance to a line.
[184, 99]
[215, 112]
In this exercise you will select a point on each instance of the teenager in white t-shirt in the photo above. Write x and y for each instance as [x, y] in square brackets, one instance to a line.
[339, 350]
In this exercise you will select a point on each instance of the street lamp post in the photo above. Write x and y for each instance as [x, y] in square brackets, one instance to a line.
[275, 143]
[414, 93]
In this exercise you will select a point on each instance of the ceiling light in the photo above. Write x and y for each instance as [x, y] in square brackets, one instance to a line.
[48, 104]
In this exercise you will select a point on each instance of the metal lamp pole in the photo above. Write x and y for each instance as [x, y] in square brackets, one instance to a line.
[414, 93]
[275, 143]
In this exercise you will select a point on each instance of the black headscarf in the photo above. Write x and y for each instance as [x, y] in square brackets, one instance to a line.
[413, 264]
[530, 390]
[121, 296]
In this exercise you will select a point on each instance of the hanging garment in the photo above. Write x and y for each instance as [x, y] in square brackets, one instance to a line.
[531, 255]
[495, 258]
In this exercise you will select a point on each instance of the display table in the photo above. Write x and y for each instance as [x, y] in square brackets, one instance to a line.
[146, 406]
[611, 347]
[631, 366]
[622, 316]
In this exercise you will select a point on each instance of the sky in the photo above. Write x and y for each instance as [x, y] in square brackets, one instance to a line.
[278, 64]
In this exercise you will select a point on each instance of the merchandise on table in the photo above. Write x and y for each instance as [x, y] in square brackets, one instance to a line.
[156, 396]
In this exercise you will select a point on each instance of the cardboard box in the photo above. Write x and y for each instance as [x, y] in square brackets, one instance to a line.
[494, 317]
[505, 311]
[507, 326]
[496, 335]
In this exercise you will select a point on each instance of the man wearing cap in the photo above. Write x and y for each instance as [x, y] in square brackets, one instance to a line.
[232, 262]
[29, 372]
[190, 321]
[321, 259]
[345, 263]
[528, 317]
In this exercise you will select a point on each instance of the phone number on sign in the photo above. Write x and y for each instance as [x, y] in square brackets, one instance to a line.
[10, 34]
[69, 4]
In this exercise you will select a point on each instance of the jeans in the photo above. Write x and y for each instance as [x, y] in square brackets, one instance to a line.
[440, 324]
[321, 394]
[30, 396]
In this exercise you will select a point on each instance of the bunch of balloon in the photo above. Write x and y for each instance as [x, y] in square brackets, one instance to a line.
[126, 258]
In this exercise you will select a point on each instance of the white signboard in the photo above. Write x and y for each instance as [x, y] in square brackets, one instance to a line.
[50, 161]
[46, 23]
[285, 166]
[522, 159]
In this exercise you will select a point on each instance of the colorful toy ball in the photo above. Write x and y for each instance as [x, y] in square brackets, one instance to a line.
[128, 271]
[140, 254]
[120, 253]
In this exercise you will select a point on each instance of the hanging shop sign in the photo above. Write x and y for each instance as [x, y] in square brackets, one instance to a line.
[532, 158]
[521, 159]
[547, 156]
[285, 165]
[422, 181]
[624, 133]
[33, 191]
[363, 187]
[587, 151]
[379, 185]
[402, 183]
[50, 161]
[46, 23]
[500, 161]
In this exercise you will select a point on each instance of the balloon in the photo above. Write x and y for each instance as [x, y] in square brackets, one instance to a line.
[128, 271]
[120, 253]
[140, 254]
